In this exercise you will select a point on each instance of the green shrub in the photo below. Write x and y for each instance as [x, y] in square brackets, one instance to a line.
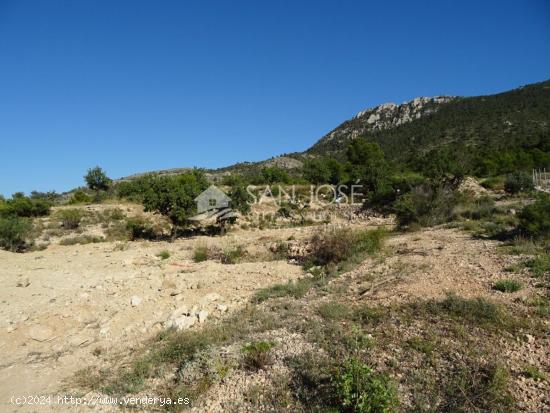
[341, 244]
[81, 239]
[540, 265]
[534, 373]
[295, 289]
[139, 228]
[483, 387]
[361, 390]
[476, 209]
[200, 253]
[257, 355]
[477, 311]
[494, 183]
[426, 206]
[232, 255]
[80, 197]
[334, 311]
[164, 254]
[70, 218]
[534, 219]
[14, 232]
[518, 182]
[22, 206]
[116, 214]
[507, 286]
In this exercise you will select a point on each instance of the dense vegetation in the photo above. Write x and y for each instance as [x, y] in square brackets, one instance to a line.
[488, 135]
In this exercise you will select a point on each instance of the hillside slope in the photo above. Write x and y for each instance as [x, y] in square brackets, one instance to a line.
[517, 118]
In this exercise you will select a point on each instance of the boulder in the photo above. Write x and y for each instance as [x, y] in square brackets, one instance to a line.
[135, 301]
[183, 322]
[202, 316]
[209, 298]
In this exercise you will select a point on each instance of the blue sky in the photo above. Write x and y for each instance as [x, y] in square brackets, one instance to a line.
[141, 85]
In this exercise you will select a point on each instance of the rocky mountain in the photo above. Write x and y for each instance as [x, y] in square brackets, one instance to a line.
[516, 119]
[380, 118]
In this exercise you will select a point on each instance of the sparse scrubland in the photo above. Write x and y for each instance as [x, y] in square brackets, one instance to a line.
[429, 294]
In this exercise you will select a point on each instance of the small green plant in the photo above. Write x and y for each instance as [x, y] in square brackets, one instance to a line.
[280, 250]
[232, 255]
[70, 218]
[507, 286]
[477, 311]
[164, 254]
[200, 253]
[482, 387]
[534, 373]
[116, 214]
[295, 289]
[362, 390]
[422, 345]
[81, 239]
[540, 265]
[257, 355]
[333, 311]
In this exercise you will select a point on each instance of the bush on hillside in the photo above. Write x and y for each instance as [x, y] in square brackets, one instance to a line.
[22, 206]
[80, 197]
[274, 175]
[14, 232]
[324, 170]
[426, 206]
[174, 197]
[139, 228]
[535, 218]
[70, 218]
[518, 182]
[338, 245]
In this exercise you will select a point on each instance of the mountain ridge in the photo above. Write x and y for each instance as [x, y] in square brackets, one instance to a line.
[509, 119]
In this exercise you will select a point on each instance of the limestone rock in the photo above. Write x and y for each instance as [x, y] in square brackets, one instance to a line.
[202, 316]
[184, 322]
[40, 333]
[209, 298]
[222, 308]
[135, 301]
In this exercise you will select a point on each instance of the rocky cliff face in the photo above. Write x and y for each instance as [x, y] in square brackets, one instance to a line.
[382, 117]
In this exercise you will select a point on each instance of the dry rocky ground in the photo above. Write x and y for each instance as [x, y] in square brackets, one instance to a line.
[91, 307]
